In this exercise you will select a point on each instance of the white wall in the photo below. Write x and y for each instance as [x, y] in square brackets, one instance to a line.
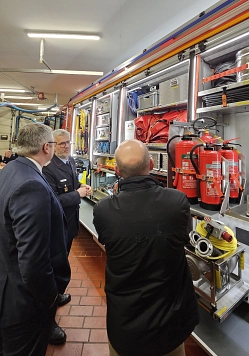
[148, 21]
[5, 122]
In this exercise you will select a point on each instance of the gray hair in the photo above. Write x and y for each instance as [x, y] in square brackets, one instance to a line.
[60, 132]
[31, 139]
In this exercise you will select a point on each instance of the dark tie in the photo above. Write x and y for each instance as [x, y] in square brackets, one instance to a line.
[70, 166]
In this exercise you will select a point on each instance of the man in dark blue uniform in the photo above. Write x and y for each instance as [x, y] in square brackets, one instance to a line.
[62, 176]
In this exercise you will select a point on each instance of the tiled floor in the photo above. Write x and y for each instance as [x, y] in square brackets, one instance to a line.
[83, 319]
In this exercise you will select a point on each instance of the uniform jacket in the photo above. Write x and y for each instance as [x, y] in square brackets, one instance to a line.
[33, 258]
[64, 182]
[151, 303]
[9, 159]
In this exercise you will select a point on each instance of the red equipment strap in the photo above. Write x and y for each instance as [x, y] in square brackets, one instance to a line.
[236, 179]
[183, 171]
[227, 72]
[216, 181]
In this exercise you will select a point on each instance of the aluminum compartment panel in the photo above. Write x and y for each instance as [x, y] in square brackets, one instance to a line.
[174, 90]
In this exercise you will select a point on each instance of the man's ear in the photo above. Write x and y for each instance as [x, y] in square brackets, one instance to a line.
[117, 170]
[46, 147]
[151, 164]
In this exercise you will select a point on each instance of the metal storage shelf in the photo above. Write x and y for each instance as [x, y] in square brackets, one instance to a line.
[104, 170]
[180, 105]
[103, 154]
[220, 89]
[159, 173]
[102, 139]
[102, 113]
[237, 107]
[104, 125]
[157, 145]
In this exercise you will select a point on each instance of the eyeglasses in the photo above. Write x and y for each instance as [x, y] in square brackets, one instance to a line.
[47, 142]
[63, 144]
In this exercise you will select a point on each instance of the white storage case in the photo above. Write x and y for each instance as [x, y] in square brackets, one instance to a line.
[102, 133]
[174, 90]
[148, 100]
[103, 119]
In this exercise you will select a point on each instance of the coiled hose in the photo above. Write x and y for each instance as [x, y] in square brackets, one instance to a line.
[227, 247]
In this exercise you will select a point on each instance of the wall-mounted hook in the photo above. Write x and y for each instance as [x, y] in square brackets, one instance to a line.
[181, 56]
[202, 46]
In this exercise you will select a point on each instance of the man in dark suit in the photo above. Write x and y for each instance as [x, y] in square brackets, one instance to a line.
[34, 267]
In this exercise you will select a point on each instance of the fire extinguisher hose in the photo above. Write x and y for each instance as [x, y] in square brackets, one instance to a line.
[196, 167]
[175, 182]
[227, 247]
[168, 150]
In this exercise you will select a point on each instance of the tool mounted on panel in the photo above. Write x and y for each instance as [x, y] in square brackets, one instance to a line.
[212, 239]
[217, 229]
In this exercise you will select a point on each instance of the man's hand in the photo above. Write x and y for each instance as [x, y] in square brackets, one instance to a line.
[84, 190]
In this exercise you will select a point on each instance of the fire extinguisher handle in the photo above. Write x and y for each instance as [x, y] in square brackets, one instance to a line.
[176, 179]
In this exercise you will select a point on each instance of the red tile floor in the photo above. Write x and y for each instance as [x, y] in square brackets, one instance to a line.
[83, 319]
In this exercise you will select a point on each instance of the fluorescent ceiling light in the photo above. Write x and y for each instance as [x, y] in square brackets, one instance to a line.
[77, 72]
[47, 71]
[13, 91]
[72, 36]
[24, 104]
[18, 97]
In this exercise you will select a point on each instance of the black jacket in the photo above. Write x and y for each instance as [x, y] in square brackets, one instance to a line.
[64, 182]
[9, 159]
[33, 258]
[151, 303]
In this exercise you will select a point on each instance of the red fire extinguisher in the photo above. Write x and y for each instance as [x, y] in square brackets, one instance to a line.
[207, 137]
[185, 176]
[229, 153]
[202, 125]
[209, 175]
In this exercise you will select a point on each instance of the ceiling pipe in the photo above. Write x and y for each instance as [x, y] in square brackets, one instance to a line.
[42, 60]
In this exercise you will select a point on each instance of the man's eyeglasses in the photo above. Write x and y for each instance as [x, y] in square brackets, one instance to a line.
[47, 142]
[63, 144]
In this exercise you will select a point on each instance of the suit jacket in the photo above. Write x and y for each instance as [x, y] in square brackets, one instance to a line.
[64, 181]
[34, 265]
[151, 302]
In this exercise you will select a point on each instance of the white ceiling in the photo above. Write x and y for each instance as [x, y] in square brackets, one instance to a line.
[126, 28]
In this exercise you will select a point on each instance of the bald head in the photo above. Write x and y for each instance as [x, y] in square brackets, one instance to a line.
[132, 159]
